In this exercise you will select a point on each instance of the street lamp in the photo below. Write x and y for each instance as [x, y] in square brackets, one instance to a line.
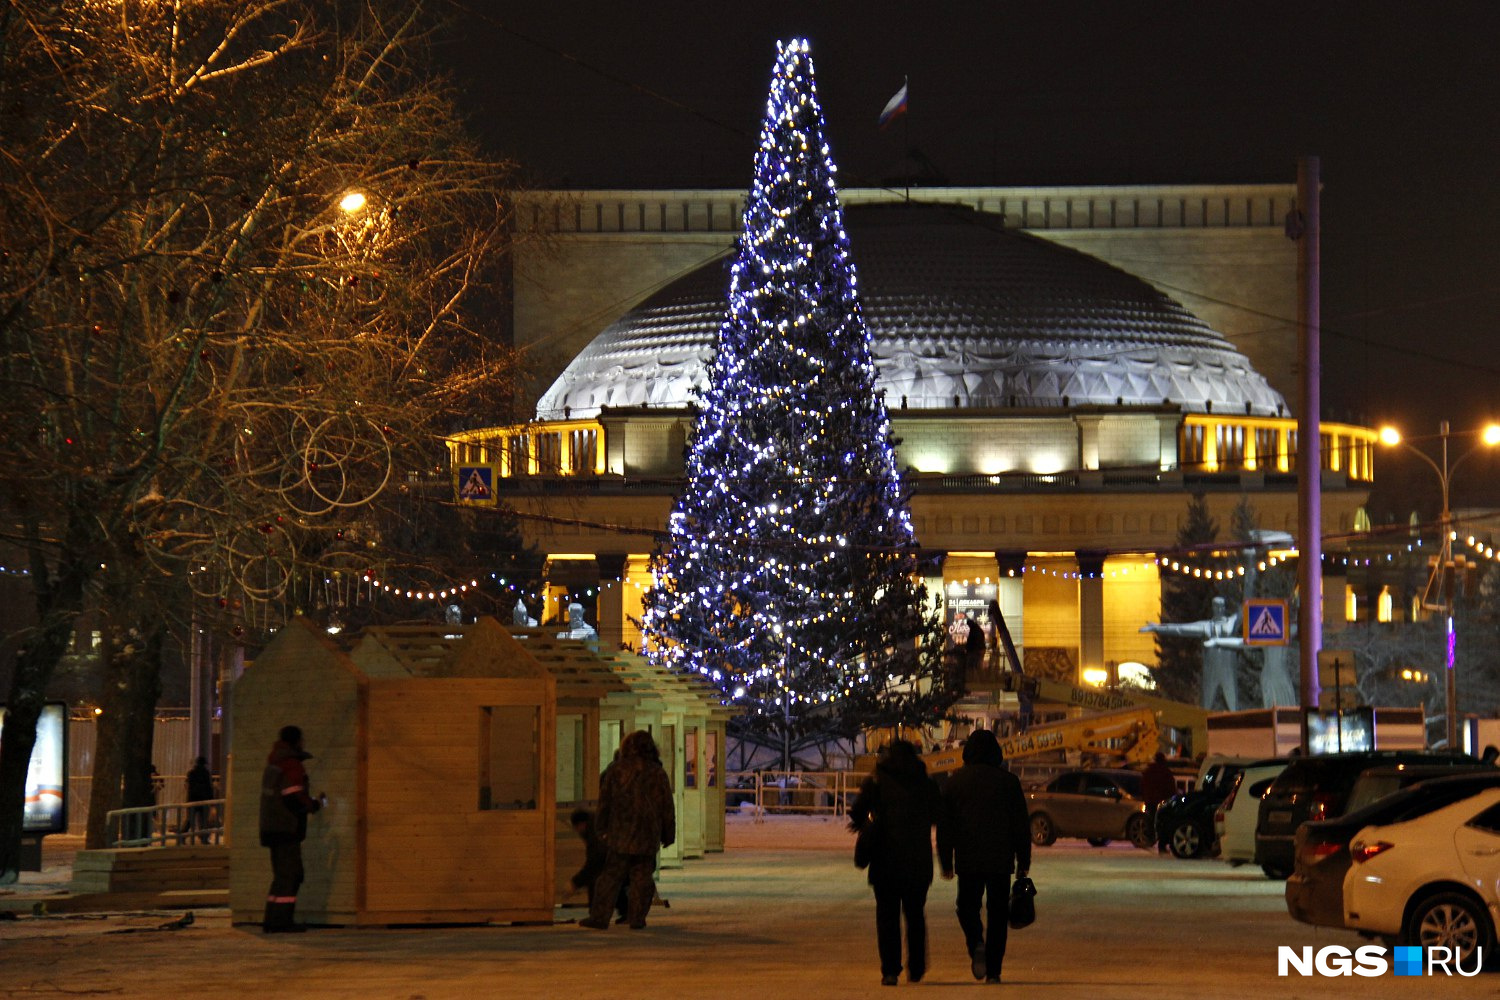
[1437, 596]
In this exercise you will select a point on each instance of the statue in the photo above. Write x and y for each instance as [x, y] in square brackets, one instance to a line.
[1220, 662]
[1222, 642]
[520, 617]
[1276, 684]
[578, 627]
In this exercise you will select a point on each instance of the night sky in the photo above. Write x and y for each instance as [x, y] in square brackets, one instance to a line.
[1401, 102]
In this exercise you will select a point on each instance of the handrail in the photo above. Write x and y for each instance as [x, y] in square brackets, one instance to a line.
[174, 824]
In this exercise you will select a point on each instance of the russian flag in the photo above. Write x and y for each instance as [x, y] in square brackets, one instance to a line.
[894, 107]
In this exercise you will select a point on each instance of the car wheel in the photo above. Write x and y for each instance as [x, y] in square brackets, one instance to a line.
[1099, 841]
[1138, 832]
[1450, 920]
[1187, 840]
[1272, 871]
[1043, 833]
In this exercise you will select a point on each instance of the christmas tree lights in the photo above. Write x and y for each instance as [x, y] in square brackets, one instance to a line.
[791, 575]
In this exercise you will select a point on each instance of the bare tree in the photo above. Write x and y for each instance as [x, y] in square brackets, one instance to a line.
[247, 251]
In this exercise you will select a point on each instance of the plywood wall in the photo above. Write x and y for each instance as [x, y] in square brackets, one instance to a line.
[305, 682]
[432, 854]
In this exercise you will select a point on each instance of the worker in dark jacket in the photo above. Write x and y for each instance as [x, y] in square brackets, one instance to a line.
[1158, 784]
[984, 836]
[902, 802]
[636, 818]
[285, 804]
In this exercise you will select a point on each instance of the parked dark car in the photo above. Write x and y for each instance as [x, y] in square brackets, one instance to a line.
[1185, 822]
[1317, 788]
[1099, 805]
[1315, 890]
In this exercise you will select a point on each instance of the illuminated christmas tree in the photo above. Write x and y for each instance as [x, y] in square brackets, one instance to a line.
[791, 576]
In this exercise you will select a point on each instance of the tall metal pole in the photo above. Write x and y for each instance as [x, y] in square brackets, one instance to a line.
[1440, 571]
[1309, 435]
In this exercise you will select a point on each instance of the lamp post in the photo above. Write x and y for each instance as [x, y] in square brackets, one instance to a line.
[1438, 595]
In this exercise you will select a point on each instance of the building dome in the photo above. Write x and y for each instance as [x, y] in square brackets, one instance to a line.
[963, 313]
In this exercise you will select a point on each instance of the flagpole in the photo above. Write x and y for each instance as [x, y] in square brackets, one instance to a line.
[906, 143]
[898, 106]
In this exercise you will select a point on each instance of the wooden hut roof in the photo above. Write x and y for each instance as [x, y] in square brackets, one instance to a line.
[576, 664]
[483, 649]
[690, 692]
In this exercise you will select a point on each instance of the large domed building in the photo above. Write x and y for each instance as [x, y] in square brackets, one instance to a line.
[1055, 406]
[964, 314]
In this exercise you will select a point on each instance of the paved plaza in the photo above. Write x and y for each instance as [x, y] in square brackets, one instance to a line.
[782, 913]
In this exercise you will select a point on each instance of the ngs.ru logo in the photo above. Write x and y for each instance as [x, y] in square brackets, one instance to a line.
[1371, 960]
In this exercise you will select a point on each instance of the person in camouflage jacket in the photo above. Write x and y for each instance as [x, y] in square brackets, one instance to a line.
[635, 819]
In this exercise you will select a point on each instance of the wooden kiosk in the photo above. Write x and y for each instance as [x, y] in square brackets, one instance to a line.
[436, 747]
[595, 708]
[692, 723]
[601, 697]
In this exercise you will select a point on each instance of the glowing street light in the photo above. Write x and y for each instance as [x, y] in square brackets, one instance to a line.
[352, 202]
[1437, 596]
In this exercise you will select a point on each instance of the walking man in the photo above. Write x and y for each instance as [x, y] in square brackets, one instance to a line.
[284, 807]
[636, 818]
[984, 836]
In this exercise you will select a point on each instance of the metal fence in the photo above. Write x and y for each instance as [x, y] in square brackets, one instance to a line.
[828, 792]
[832, 792]
[172, 825]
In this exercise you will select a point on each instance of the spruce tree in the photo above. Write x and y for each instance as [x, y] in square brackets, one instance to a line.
[790, 576]
[1186, 598]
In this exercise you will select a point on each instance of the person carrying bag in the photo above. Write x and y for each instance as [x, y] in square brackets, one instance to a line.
[984, 836]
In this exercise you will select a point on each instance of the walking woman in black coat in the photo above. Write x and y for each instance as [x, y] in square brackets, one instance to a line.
[902, 804]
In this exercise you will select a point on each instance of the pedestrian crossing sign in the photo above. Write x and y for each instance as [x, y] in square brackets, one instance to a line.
[1265, 622]
[474, 485]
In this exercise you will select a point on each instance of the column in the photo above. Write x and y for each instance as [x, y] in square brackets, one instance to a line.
[1088, 440]
[1090, 609]
[1166, 433]
[1010, 595]
[611, 599]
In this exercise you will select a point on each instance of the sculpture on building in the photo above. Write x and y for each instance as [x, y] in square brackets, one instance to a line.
[578, 627]
[520, 616]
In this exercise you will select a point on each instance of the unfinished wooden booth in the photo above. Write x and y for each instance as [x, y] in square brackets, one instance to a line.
[594, 705]
[706, 739]
[690, 733]
[436, 747]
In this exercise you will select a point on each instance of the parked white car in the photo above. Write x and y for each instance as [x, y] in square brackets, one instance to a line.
[1234, 821]
[1430, 881]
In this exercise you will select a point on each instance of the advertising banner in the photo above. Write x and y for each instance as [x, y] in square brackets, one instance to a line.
[46, 778]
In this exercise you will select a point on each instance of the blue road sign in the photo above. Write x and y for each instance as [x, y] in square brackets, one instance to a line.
[1265, 622]
[475, 484]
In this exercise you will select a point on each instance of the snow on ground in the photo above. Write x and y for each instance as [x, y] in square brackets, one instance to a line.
[782, 913]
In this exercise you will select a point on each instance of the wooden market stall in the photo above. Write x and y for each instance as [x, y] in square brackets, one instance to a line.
[595, 708]
[693, 722]
[436, 747]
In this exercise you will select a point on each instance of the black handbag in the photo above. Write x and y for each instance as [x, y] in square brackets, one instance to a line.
[1022, 902]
